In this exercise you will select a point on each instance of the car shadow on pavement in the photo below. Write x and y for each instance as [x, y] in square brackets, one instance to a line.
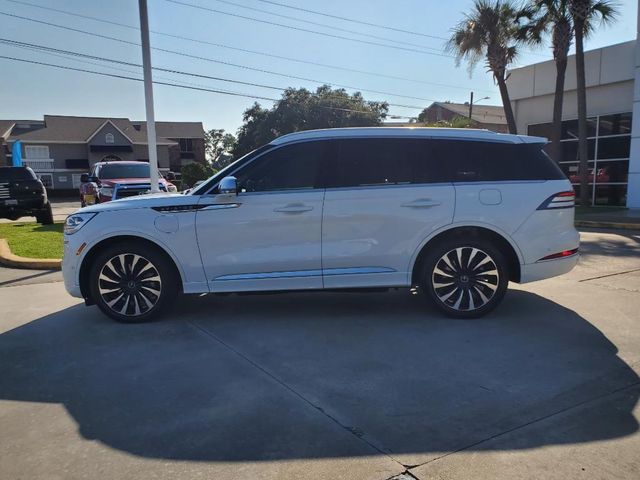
[319, 375]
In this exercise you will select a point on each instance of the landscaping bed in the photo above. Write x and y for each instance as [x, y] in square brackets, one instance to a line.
[33, 240]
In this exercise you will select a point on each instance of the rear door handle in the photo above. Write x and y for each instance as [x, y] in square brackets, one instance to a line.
[294, 208]
[422, 203]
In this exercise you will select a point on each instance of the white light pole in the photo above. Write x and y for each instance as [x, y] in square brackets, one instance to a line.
[148, 97]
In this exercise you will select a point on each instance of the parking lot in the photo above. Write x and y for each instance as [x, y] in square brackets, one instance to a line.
[329, 385]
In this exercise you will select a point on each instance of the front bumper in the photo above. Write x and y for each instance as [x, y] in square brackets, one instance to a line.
[71, 266]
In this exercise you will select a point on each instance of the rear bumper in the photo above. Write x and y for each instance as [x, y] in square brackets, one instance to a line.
[546, 269]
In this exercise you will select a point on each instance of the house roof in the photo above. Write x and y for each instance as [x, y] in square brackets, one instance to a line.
[60, 128]
[493, 114]
[174, 129]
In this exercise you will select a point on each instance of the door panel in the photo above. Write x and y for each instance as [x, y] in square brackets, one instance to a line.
[388, 195]
[263, 241]
[370, 233]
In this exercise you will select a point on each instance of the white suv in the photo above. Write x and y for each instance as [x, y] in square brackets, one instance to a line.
[456, 214]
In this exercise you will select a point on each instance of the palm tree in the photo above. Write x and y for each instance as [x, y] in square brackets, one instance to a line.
[491, 31]
[584, 13]
[554, 16]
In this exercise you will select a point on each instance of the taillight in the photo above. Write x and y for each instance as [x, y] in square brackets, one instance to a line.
[559, 200]
[564, 253]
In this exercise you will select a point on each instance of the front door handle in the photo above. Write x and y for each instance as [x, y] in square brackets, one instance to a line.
[294, 208]
[422, 203]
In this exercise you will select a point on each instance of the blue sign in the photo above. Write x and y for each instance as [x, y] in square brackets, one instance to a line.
[16, 154]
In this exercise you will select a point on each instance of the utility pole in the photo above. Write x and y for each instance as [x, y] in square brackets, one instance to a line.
[148, 97]
[471, 105]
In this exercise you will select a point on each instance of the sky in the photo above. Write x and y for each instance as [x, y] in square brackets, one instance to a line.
[29, 91]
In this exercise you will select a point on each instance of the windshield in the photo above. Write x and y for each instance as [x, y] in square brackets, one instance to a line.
[10, 174]
[211, 181]
[129, 170]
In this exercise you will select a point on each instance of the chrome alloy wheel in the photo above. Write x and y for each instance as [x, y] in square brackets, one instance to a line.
[465, 278]
[129, 284]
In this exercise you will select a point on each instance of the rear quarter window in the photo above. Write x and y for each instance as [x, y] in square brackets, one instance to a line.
[473, 161]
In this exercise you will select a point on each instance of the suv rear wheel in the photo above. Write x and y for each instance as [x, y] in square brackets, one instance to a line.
[132, 283]
[465, 278]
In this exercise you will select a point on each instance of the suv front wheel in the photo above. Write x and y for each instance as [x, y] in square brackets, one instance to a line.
[132, 283]
[465, 278]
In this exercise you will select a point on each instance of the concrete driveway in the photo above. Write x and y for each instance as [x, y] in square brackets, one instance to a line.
[331, 385]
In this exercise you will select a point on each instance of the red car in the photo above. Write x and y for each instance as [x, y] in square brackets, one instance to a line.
[113, 180]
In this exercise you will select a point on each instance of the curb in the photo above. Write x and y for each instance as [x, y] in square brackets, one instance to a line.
[611, 225]
[8, 259]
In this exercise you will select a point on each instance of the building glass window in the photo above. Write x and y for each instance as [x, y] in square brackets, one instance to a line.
[109, 138]
[186, 145]
[609, 143]
[36, 151]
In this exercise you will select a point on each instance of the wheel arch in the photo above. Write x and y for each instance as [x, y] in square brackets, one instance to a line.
[501, 240]
[89, 256]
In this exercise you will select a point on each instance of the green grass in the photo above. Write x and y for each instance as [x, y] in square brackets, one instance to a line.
[33, 240]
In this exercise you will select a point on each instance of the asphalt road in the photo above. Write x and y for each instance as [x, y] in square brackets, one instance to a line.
[353, 386]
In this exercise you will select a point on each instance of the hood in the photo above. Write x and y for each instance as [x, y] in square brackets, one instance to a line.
[109, 182]
[161, 199]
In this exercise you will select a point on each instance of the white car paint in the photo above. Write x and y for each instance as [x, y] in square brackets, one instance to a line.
[333, 237]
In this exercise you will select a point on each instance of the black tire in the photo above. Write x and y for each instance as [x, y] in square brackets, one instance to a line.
[45, 216]
[140, 290]
[465, 278]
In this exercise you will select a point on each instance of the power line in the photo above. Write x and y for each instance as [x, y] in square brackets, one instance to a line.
[33, 46]
[188, 87]
[377, 25]
[245, 50]
[324, 25]
[197, 57]
[361, 22]
[300, 29]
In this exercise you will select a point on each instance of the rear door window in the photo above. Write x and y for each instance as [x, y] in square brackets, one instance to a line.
[384, 161]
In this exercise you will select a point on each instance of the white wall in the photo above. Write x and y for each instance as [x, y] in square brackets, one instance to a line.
[601, 100]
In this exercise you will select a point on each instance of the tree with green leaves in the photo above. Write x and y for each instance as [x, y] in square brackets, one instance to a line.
[218, 146]
[585, 13]
[301, 109]
[491, 31]
[552, 17]
[195, 171]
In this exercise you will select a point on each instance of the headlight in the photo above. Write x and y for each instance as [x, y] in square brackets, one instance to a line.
[76, 221]
[171, 188]
[106, 191]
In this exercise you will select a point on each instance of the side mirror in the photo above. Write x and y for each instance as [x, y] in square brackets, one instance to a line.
[228, 185]
[84, 178]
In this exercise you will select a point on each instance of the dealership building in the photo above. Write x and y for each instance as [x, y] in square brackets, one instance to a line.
[613, 88]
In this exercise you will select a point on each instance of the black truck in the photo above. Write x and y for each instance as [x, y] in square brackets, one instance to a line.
[22, 194]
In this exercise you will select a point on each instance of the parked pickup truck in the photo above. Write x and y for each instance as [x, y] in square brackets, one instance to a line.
[22, 194]
[119, 179]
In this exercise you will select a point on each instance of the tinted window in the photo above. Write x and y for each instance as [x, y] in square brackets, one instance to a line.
[385, 161]
[113, 170]
[291, 167]
[471, 161]
[16, 173]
